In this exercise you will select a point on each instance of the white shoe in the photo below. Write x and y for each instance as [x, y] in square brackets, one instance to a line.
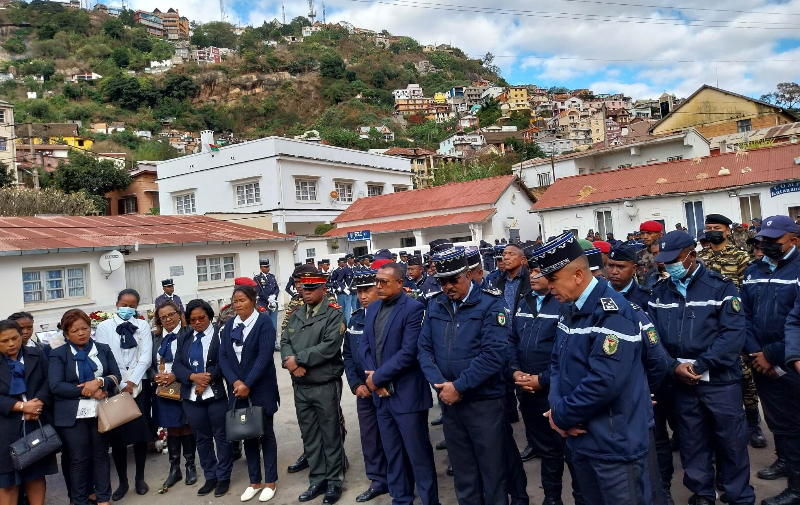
[266, 494]
[250, 493]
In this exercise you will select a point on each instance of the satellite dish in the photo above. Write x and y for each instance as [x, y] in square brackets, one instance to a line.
[111, 261]
[334, 195]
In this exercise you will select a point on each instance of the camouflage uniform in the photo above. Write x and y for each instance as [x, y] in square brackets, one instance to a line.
[740, 240]
[644, 266]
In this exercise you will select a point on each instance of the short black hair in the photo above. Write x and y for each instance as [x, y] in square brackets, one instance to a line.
[16, 316]
[396, 269]
[128, 291]
[199, 304]
[9, 324]
[248, 291]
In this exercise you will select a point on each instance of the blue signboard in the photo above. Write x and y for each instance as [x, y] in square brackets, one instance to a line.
[786, 187]
[357, 236]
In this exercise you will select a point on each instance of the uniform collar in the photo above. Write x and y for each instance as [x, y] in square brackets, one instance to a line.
[585, 295]
[627, 288]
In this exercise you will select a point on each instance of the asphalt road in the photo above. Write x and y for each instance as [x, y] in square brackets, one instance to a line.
[289, 486]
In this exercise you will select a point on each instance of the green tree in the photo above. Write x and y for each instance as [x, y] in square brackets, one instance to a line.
[220, 34]
[331, 65]
[179, 86]
[15, 202]
[114, 28]
[85, 173]
[126, 16]
[489, 113]
[199, 38]
[121, 57]
[6, 177]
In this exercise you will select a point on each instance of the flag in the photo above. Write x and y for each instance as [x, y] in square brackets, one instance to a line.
[214, 147]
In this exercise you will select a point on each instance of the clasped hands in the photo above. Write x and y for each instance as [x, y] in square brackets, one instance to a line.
[92, 389]
[527, 382]
[201, 382]
[572, 432]
[295, 369]
[382, 392]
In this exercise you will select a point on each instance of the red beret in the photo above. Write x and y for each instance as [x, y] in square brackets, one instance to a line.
[604, 246]
[379, 263]
[653, 226]
[244, 281]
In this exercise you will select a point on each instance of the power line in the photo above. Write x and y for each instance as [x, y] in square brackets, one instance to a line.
[631, 60]
[580, 17]
[673, 7]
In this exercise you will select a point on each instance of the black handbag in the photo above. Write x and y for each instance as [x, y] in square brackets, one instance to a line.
[34, 446]
[241, 424]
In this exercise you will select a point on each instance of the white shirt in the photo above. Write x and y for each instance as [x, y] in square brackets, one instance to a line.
[106, 333]
[173, 346]
[248, 326]
[206, 343]
[87, 407]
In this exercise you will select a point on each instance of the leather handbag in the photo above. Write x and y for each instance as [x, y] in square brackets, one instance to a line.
[241, 424]
[171, 391]
[34, 446]
[116, 410]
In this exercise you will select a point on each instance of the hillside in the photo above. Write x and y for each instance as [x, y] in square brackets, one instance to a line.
[331, 81]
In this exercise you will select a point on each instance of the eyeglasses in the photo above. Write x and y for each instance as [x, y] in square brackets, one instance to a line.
[444, 281]
[198, 319]
[169, 316]
[385, 282]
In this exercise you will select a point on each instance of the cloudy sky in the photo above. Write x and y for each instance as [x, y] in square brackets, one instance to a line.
[639, 47]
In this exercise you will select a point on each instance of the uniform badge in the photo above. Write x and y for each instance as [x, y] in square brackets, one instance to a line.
[608, 304]
[652, 336]
[501, 319]
[610, 344]
[736, 304]
[342, 329]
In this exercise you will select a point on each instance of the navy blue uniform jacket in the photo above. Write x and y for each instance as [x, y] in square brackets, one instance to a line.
[352, 365]
[257, 369]
[400, 371]
[182, 365]
[175, 298]
[466, 346]
[532, 337]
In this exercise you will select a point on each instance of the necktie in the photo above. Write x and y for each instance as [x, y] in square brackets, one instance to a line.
[86, 366]
[165, 351]
[237, 335]
[196, 354]
[17, 376]
[126, 331]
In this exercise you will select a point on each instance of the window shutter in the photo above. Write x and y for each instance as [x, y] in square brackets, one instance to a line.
[121, 206]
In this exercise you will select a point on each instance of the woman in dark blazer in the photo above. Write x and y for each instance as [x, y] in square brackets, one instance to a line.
[24, 395]
[81, 373]
[205, 402]
[246, 346]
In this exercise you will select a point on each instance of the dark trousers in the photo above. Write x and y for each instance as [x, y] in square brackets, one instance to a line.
[371, 445]
[516, 479]
[267, 446]
[207, 420]
[409, 455]
[664, 414]
[319, 417]
[779, 399]
[652, 482]
[120, 454]
[711, 421]
[611, 482]
[512, 414]
[474, 432]
[90, 469]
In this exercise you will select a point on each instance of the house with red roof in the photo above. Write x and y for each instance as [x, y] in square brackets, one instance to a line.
[741, 185]
[484, 209]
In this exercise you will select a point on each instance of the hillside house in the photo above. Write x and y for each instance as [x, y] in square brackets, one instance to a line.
[387, 135]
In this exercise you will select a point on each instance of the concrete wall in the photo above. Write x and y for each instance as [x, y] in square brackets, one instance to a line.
[144, 188]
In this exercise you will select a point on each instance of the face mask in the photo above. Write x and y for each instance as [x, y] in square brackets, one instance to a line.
[125, 313]
[676, 270]
[715, 237]
[772, 250]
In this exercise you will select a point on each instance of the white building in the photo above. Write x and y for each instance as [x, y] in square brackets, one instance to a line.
[66, 265]
[290, 179]
[492, 92]
[684, 145]
[8, 153]
[553, 146]
[484, 209]
[411, 91]
[743, 185]
[450, 145]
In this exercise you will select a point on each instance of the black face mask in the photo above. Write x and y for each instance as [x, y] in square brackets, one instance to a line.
[715, 237]
[772, 250]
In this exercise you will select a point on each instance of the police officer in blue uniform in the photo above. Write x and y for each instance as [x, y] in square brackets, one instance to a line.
[475, 263]
[466, 368]
[414, 276]
[598, 391]
[290, 289]
[620, 272]
[345, 284]
[334, 280]
[769, 292]
[371, 446]
[169, 294]
[487, 256]
[268, 291]
[698, 316]
[499, 270]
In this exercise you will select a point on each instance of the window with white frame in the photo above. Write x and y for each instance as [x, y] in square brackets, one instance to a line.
[248, 193]
[130, 205]
[2, 116]
[310, 253]
[374, 189]
[53, 283]
[604, 224]
[398, 189]
[750, 207]
[184, 204]
[695, 217]
[305, 189]
[345, 191]
[3, 144]
[215, 268]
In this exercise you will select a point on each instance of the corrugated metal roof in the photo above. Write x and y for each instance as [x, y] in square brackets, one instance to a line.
[771, 132]
[417, 223]
[46, 233]
[775, 164]
[449, 196]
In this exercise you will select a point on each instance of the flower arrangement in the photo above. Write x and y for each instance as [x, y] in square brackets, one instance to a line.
[98, 316]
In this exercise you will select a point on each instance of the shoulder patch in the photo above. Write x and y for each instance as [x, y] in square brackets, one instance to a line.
[342, 329]
[736, 304]
[406, 289]
[652, 336]
[610, 344]
[609, 305]
[493, 291]
[334, 305]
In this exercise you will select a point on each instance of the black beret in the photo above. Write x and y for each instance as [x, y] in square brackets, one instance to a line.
[718, 219]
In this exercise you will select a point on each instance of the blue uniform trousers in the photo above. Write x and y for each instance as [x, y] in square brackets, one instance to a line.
[354, 303]
[207, 420]
[474, 432]
[516, 479]
[273, 315]
[711, 421]
[612, 482]
[371, 446]
[344, 302]
[652, 482]
[779, 398]
[409, 455]
[664, 414]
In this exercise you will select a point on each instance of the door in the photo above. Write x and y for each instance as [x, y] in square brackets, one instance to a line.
[138, 276]
[695, 218]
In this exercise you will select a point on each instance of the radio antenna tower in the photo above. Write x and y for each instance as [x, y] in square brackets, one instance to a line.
[222, 10]
[283, 12]
[324, 21]
[312, 14]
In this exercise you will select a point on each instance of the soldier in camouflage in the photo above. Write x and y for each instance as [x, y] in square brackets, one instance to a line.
[724, 257]
[646, 269]
[740, 237]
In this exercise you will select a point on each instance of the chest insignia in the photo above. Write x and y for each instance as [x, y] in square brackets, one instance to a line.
[610, 344]
[609, 305]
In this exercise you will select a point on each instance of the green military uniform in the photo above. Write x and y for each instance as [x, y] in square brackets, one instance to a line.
[294, 303]
[314, 336]
[644, 265]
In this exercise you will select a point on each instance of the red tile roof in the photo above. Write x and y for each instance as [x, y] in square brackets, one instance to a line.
[758, 166]
[416, 223]
[408, 151]
[43, 233]
[449, 196]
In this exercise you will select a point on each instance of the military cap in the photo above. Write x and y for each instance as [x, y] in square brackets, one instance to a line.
[414, 260]
[595, 258]
[309, 261]
[244, 281]
[319, 263]
[314, 280]
[449, 261]
[375, 265]
[264, 262]
[403, 253]
[382, 254]
[348, 256]
[671, 245]
[653, 226]
[498, 250]
[417, 252]
[637, 233]
[326, 261]
[776, 227]
[297, 264]
[473, 257]
[304, 269]
[440, 245]
[394, 256]
[341, 260]
[623, 253]
[585, 244]
[718, 219]
[364, 279]
[167, 282]
[557, 253]
[604, 246]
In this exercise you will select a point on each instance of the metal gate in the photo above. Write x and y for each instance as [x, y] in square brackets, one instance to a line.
[139, 277]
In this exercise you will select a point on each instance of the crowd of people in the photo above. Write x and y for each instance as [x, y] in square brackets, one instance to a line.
[614, 353]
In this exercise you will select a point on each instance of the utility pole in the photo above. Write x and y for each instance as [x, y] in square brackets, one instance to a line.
[552, 161]
[283, 12]
[605, 131]
[34, 172]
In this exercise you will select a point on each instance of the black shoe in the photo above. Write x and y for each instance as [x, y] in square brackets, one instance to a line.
[788, 496]
[299, 465]
[174, 477]
[776, 470]
[191, 475]
[700, 500]
[141, 487]
[450, 470]
[369, 494]
[757, 439]
[120, 492]
[438, 420]
[222, 488]
[528, 454]
[552, 500]
[312, 492]
[440, 446]
[332, 494]
[174, 450]
[209, 486]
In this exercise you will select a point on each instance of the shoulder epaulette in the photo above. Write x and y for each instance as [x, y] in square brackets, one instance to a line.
[660, 281]
[406, 289]
[635, 306]
[334, 305]
[224, 307]
[432, 294]
[493, 291]
[608, 304]
[356, 311]
[718, 275]
[261, 308]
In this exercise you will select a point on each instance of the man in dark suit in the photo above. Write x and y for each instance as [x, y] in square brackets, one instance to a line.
[388, 351]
